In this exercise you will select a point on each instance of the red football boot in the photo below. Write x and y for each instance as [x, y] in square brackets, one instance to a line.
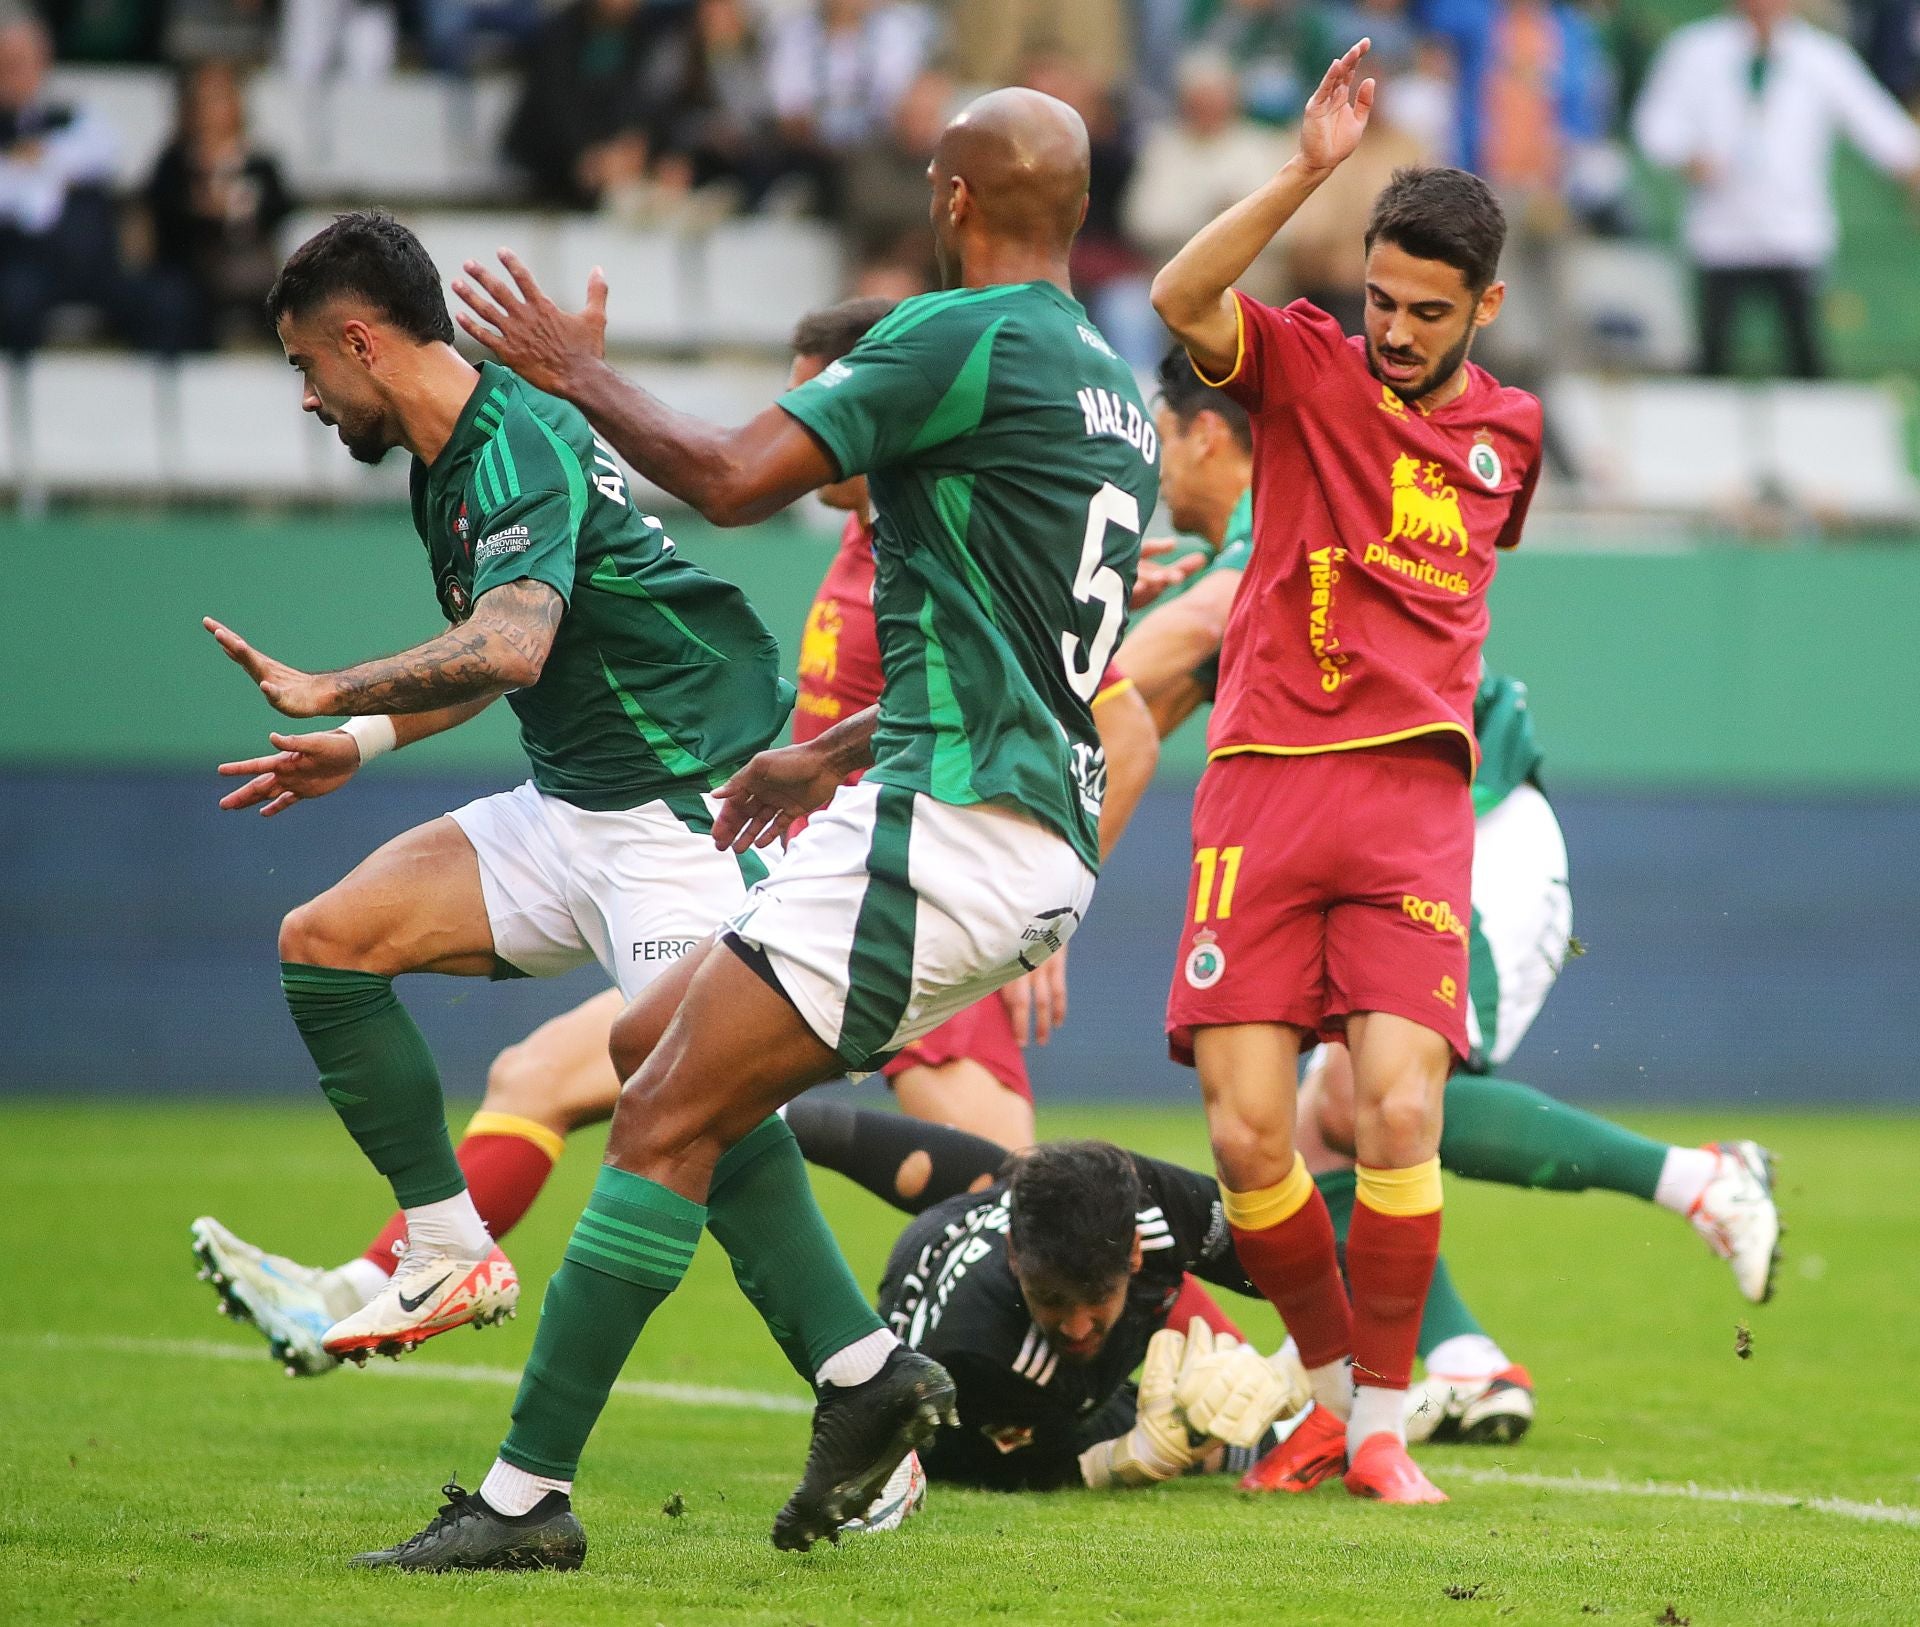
[1382, 1470]
[1316, 1451]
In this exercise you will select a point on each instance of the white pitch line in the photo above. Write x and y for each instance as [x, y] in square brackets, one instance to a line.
[705, 1395]
[1612, 1486]
[688, 1395]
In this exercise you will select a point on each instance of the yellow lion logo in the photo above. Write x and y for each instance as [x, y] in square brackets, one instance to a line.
[820, 643]
[1425, 507]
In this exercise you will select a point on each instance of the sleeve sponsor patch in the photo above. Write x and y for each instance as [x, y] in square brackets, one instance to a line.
[512, 539]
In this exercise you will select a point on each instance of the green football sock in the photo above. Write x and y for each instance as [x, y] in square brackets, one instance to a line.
[761, 1210]
[632, 1245]
[377, 1071]
[1446, 1313]
[1497, 1130]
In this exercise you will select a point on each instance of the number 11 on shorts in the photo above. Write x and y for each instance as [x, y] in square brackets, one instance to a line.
[1223, 862]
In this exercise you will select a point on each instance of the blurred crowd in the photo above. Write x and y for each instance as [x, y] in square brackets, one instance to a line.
[656, 110]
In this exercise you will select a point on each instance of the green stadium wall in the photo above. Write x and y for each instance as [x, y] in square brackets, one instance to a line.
[1721, 666]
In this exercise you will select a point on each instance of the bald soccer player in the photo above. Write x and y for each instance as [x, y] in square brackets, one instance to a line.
[1011, 462]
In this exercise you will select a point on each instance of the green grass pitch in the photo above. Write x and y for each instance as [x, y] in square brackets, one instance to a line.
[143, 1478]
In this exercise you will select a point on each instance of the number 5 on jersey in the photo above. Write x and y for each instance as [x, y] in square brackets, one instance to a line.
[1097, 582]
[1215, 863]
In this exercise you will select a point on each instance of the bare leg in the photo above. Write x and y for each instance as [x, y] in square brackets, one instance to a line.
[967, 1096]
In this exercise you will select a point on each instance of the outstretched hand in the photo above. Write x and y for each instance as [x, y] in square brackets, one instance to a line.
[302, 767]
[1157, 573]
[545, 345]
[760, 804]
[288, 689]
[1337, 113]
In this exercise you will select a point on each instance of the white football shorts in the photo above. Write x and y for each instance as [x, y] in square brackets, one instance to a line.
[891, 911]
[634, 889]
[1522, 923]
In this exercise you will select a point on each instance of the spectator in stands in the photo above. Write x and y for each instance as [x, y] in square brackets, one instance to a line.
[712, 81]
[1110, 274]
[105, 30]
[232, 30]
[59, 234]
[837, 69]
[1746, 105]
[1274, 45]
[587, 126]
[451, 31]
[215, 205]
[1200, 161]
[1534, 86]
[885, 207]
[354, 39]
[991, 42]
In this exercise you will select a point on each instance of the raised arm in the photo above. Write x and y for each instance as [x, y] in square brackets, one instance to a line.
[1194, 290]
[732, 476]
[502, 646]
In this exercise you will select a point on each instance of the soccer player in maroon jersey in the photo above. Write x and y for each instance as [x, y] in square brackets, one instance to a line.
[1333, 828]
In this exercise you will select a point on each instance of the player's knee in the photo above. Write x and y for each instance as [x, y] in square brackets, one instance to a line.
[1250, 1154]
[318, 933]
[522, 1082]
[1401, 1126]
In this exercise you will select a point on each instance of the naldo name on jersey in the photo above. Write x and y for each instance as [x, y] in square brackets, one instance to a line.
[1109, 414]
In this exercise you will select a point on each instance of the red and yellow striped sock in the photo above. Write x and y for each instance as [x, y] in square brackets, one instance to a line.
[1391, 1249]
[1284, 1237]
[506, 1160]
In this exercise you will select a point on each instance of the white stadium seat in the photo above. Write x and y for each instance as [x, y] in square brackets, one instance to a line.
[95, 423]
[9, 452]
[238, 427]
[480, 112]
[1673, 445]
[756, 278]
[1839, 450]
[390, 139]
[1630, 302]
[452, 237]
[648, 273]
[137, 103]
[286, 120]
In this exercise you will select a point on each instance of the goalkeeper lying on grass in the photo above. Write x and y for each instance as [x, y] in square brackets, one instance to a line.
[1041, 1293]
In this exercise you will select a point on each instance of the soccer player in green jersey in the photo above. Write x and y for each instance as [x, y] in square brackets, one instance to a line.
[1011, 463]
[640, 683]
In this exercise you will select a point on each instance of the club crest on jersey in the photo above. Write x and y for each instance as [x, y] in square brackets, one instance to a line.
[1484, 461]
[1425, 507]
[459, 601]
[1206, 962]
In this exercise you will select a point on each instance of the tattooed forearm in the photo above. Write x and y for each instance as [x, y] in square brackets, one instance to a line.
[504, 646]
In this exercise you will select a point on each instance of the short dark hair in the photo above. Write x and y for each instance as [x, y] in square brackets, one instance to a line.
[1448, 215]
[1187, 395]
[1072, 1210]
[370, 254]
[829, 333]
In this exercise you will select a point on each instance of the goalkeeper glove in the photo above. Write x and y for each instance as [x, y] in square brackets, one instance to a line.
[1229, 1391]
[1157, 1447]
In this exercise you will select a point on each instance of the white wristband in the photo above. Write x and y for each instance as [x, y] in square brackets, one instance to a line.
[373, 734]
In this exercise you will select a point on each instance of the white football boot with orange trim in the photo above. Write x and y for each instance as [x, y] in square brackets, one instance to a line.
[429, 1293]
[1736, 1215]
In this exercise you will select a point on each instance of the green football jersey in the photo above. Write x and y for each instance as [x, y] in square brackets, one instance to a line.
[1509, 754]
[1236, 549]
[1012, 464]
[662, 680]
